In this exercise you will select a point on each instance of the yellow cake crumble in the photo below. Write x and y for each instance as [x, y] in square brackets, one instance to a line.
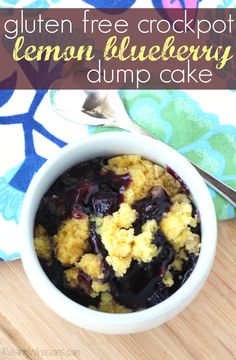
[176, 220]
[175, 225]
[144, 174]
[180, 257]
[125, 216]
[180, 198]
[120, 265]
[143, 248]
[193, 243]
[91, 265]
[71, 277]
[109, 305]
[99, 287]
[168, 279]
[71, 240]
[118, 240]
[121, 243]
[170, 184]
[42, 244]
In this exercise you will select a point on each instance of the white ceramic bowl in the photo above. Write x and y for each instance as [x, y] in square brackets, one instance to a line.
[110, 144]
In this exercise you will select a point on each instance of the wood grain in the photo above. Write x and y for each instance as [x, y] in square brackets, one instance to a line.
[206, 330]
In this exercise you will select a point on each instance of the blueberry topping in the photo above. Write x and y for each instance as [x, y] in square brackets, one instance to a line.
[53, 210]
[54, 272]
[77, 211]
[80, 296]
[152, 207]
[96, 242]
[99, 249]
[159, 238]
[180, 277]
[105, 203]
[82, 193]
[160, 293]
[85, 282]
[140, 286]
[188, 267]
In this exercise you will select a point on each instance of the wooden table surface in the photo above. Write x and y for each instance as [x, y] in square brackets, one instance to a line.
[206, 330]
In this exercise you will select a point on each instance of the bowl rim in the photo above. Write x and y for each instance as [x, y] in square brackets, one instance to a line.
[95, 320]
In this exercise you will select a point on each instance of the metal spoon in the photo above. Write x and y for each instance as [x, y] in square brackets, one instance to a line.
[97, 110]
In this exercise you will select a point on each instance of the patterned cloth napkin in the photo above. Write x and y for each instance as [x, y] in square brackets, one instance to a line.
[199, 124]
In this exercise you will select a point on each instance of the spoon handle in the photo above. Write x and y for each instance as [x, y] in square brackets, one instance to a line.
[226, 191]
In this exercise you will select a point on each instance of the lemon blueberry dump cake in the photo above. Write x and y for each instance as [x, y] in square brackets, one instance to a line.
[117, 235]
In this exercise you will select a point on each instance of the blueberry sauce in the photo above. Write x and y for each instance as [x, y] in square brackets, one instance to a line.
[83, 190]
[105, 203]
[55, 273]
[180, 277]
[151, 208]
[140, 286]
[99, 249]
